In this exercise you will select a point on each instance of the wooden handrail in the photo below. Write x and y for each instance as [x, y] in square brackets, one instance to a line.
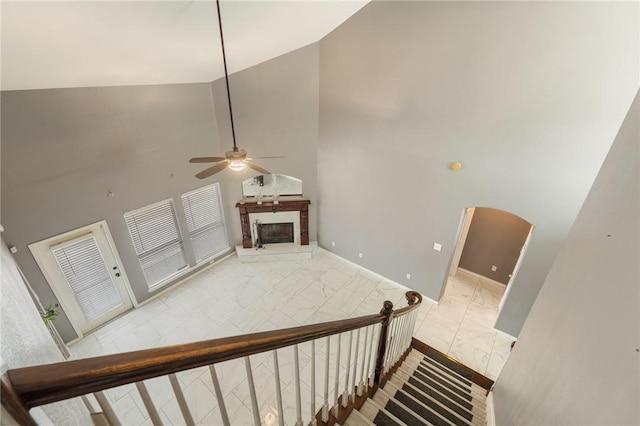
[44, 384]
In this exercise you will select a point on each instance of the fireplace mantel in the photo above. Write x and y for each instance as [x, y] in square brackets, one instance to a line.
[248, 207]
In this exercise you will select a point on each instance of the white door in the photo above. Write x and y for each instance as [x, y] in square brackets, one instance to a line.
[85, 274]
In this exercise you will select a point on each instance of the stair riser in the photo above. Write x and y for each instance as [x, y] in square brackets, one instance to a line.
[421, 391]
[446, 373]
[438, 392]
[475, 415]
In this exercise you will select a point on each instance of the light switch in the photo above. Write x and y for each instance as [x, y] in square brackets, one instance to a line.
[437, 247]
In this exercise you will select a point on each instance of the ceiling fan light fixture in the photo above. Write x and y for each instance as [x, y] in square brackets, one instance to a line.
[236, 159]
[237, 165]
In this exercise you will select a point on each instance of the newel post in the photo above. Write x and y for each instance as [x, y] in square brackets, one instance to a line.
[387, 310]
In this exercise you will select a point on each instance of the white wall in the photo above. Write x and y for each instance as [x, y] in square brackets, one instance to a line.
[528, 96]
[25, 340]
[578, 357]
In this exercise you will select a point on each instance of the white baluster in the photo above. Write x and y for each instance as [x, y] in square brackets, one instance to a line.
[219, 397]
[276, 369]
[337, 380]
[364, 361]
[148, 404]
[400, 347]
[370, 367]
[345, 395]
[355, 366]
[182, 402]
[297, 378]
[390, 340]
[325, 405]
[396, 341]
[409, 330]
[413, 325]
[403, 335]
[106, 409]
[252, 392]
[313, 382]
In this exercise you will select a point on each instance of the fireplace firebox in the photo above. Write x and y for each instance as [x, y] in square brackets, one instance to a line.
[272, 233]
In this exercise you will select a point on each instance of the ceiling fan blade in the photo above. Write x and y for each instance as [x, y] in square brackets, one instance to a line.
[277, 156]
[206, 159]
[212, 170]
[258, 168]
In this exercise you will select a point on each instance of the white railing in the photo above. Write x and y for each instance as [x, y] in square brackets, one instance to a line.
[345, 363]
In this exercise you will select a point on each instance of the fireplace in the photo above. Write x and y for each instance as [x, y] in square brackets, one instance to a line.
[284, 233]
[273, 233]
[272, 212]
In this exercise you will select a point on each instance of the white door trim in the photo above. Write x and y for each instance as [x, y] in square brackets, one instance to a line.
[513, 274]
[462, 238]
[41, 252]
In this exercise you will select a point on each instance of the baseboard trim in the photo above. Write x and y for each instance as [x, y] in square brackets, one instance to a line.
[490, 410]
[477, 378]
[482, 277]
[382, 277]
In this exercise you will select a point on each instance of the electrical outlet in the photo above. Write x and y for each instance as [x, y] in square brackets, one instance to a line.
[333, 243]
[437, 247]
[360, 255]
[494, 268]
[408, 276]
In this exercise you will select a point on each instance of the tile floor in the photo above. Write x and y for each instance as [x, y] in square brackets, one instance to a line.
[233, 298]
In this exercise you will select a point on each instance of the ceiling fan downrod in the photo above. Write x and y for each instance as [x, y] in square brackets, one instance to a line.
[226, 78]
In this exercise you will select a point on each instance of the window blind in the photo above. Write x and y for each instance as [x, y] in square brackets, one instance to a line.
[156, 239]
[85, 270]
[205, 221]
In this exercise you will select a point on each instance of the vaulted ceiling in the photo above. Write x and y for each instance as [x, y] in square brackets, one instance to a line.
[62, 44]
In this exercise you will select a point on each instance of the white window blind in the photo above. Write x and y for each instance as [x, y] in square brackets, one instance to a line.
[156, 238]
[88, 275]
[205, 220]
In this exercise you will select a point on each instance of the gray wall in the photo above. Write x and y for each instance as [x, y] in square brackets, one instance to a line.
[64, 150]
[528, 96]
[26, 341]
[576, 361]
[495, 238]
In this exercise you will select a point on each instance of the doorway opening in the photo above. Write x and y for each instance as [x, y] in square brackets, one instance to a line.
[489, 251]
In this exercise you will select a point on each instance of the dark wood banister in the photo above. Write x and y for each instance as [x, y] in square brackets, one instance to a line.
[43, 384]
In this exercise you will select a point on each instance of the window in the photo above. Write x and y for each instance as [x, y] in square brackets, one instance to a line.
[205, 220]
[156, 238]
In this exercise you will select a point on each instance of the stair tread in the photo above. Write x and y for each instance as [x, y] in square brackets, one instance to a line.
[475, 405]
[356, 418]
[448, 409]
[428, 363]
[374, 407]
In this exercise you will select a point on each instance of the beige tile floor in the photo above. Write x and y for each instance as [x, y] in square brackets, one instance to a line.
[232, 298]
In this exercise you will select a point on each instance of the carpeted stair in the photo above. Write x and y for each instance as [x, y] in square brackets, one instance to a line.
[426, 389]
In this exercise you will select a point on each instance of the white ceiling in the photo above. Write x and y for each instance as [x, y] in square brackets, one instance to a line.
[62, 44]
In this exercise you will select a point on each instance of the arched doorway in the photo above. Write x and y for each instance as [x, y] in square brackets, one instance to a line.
[490, 248]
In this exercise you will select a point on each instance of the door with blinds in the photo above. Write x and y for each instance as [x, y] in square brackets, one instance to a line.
[85, 274]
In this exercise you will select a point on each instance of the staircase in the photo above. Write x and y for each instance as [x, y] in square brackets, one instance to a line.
[356, 371]
[425, 389]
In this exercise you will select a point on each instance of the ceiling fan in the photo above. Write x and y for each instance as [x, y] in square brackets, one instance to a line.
[236, 159]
